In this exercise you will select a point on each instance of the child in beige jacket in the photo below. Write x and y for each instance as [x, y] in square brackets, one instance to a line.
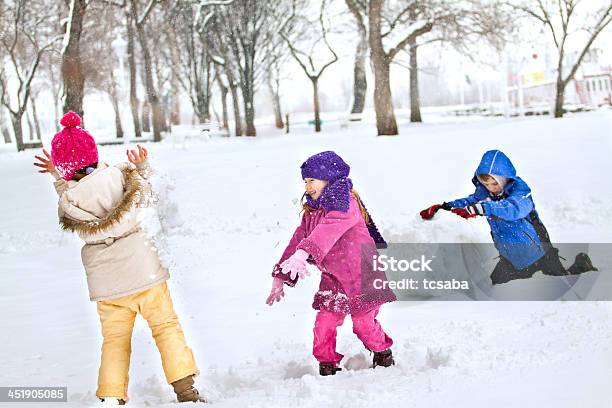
[125, 276]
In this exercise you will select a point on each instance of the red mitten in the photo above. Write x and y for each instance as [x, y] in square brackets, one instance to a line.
[463, 213]
[428, 213]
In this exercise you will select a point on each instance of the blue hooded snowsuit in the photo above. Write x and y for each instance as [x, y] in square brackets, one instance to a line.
[518, 234]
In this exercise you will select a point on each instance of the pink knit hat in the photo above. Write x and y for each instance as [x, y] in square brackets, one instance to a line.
[72, 148]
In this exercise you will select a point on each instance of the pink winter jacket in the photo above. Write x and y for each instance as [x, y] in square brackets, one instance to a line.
[340, 245]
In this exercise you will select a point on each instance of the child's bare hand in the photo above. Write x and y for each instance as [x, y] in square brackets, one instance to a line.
[137, 157]
[46, 164]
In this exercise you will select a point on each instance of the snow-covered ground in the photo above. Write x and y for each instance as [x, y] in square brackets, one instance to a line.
[229, 207]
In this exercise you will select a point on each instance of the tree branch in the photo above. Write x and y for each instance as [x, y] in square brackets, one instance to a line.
[145, 15]
[605, 19]
[402, 44]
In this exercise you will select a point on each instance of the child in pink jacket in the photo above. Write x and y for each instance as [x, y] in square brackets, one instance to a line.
[339, 237]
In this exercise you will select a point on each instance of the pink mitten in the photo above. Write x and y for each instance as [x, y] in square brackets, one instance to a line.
[295, 265]
[277, 293]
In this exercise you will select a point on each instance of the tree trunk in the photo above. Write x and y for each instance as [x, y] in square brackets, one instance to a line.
[202, 104]
[6, 134]
[248, 95]
[236, 109]
[278, 115]
[225, 124]
[559, 98]
[208, 86]
[235, 99]
[3, 128]
[153, 98]
[415, 102]
[315, 95]
[134, 102]
[112, 92]
[35, 119]
[360, 82]
[383, 103]
[175, 103]
[17, 130]
[146, 117]
[30, 127]
[118, 127]
[224, 91]
[72, 67]
[55, 92]
[249, 110]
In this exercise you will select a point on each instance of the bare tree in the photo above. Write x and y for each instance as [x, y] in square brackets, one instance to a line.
[562, 18]
[458, 22]
[175, 107]
[381, 58]
[317, 35]
[273, 82]
[223, 58]
[139, 19]
[52, 67]
[359, 9]
[112, 93]
[278, 56]
[194, 60]
[27, 38]
[131, 57]
[72, 67]
[224, 89]
[467, 26]
[6, 135]
[99, 72]
[145, 116]
[34, 112]
[248, 25]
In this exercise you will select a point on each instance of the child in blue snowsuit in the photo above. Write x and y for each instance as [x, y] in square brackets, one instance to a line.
[518, 233]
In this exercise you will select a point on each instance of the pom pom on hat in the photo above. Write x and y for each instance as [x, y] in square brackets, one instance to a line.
[72, 148]
[71, 119]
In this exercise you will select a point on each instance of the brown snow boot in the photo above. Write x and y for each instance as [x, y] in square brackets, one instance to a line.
[383, 358]
[185, 392]
[328, 369]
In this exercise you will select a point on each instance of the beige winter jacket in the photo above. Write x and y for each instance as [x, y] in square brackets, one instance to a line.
[104, 209]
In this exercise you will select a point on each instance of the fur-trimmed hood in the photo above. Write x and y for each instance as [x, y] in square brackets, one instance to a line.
[104, 203]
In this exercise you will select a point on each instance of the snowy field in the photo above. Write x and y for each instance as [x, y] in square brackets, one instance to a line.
[230, 205]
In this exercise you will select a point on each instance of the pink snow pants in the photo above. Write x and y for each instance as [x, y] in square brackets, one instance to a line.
[365, 326]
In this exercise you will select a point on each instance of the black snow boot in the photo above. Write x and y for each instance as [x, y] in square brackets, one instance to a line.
[118, 400]
[383, 358]
[581, 264]
[328, 369]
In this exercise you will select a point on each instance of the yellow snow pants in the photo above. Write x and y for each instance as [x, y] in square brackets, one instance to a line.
[117, 317]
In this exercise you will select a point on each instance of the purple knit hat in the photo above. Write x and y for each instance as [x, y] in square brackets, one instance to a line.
[336, 195]
[330, 167]
[326, 166]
